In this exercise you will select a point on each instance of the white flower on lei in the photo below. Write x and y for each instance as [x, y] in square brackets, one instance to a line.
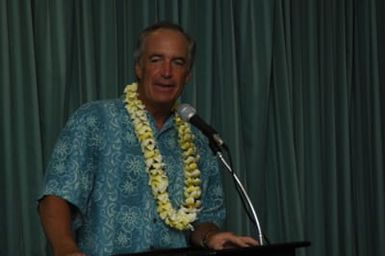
[183, 217]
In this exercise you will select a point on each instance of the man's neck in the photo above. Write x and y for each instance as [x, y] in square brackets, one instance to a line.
[160, 114]
[161, 119]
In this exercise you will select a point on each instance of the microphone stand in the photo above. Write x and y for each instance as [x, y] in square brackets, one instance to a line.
[244, 194]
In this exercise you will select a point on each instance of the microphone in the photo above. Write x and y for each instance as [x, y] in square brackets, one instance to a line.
[188, 114]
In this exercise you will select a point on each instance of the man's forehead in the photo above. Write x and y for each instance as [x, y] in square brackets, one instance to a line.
[171, 41]
[167, 30]
[166, 33]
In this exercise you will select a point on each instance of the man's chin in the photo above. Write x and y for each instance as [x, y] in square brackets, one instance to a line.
[165, 102]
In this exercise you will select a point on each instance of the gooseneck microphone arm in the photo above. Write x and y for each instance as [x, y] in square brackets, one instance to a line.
[242, 190]
[188, 114]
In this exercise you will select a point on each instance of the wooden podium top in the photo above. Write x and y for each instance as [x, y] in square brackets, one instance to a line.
[287, 249]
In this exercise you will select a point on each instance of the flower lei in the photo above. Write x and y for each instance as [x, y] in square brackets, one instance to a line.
[181, 218]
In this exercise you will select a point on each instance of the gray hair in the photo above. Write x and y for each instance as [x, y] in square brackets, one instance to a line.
[164, 25]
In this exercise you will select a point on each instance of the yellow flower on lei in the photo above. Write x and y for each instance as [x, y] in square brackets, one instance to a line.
[183, 217]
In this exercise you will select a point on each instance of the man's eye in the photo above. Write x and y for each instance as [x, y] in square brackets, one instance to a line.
[179, 62]
[155, 59]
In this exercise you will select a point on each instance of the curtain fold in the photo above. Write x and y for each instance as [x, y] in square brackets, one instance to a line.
[21, 151]
[295, 88]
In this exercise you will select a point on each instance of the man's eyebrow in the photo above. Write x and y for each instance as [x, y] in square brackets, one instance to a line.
[159, 55]
[155, 55]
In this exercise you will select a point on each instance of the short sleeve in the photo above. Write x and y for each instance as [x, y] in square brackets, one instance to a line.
[71, 169]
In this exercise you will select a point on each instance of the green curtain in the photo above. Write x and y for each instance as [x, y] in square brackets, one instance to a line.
[293, 86]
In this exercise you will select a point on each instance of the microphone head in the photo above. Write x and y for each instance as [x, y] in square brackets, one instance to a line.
[186, 111]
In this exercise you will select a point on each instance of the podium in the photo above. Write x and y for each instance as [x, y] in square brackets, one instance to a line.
[284, 249]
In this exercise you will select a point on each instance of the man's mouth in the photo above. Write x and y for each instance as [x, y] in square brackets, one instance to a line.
[164, 85]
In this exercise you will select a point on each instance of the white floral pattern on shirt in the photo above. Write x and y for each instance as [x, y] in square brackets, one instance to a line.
[98, 166]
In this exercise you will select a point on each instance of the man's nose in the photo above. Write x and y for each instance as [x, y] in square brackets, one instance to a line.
[167, 69]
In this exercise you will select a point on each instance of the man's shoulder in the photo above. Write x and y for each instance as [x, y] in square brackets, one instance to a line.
[97, 111]
[100, 107]
[102, 104]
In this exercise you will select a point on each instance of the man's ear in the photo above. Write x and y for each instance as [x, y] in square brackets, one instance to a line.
[138, 71]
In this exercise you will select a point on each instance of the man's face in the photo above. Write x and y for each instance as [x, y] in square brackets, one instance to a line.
[163, 68]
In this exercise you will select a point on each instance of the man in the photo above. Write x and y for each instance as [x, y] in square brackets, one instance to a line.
[128, 175]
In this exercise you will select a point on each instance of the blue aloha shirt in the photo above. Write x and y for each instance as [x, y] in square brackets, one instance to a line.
[98, 166]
